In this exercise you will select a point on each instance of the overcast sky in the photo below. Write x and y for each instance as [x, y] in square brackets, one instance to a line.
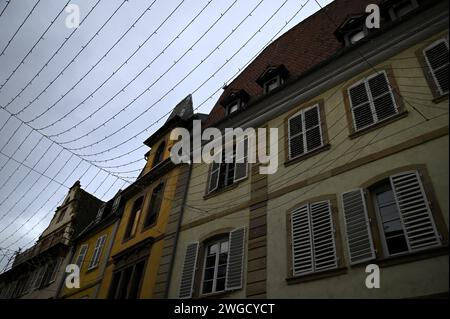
[28, 199]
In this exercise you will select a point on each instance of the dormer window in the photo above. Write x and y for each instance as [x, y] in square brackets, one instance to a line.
[352, 30]
[272, 78]
[356, 36]
[233, 107]
[159, 154]
[235, 101]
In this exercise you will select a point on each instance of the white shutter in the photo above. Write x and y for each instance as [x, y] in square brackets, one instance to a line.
[302, 249]
[189, 267]
[371, 100]
[415, 212]
[241, 165]
[214, 175]
[97, 251]
[357, 227]
[313, 243]
[295, 135]
[81, 255]
[313, 128]
[436, 56]
[235, 264]
[324, 245]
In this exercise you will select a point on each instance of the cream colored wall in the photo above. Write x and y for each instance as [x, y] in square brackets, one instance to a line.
[412, 86]
[419, 278]
[235, 220]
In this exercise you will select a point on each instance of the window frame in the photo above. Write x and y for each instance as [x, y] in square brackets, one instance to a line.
[80, 266]
[133, 218]
[96, 254]
[161, 201]
[205, 246]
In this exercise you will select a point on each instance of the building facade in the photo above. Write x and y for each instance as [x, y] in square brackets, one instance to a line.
[39, 272]
[362, 179]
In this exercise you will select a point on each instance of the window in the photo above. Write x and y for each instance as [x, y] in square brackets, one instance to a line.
[61, 215]
[100, 213]
[356, 36]
[305, 132]
[313, 239]
[134, 218]
[229, 170]
[97, 252]
[403, 218]
[81, 255]
[233, 107]
[51, 270]
[402, 8]
[436, 57]
[220, 269]
[155, 205]
[273, 83]
[116, 204]
[126, 283]
[371, 101]
[159, 154]
[215, 266]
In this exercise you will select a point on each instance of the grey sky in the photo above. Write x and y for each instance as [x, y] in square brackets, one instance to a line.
[29, 207]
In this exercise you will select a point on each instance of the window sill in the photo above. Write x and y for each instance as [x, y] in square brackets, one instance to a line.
[303, 157]
[150, 226]
[91, 269]
[316, 276]
[440, 99]
[376, 126]
[224, 189]
[216, 295]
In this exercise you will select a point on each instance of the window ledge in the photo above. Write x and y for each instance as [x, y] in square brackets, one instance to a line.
[303, 157]
[224, 189]
[440, 99]
[316, 276]
[376, 126]
[216, 295]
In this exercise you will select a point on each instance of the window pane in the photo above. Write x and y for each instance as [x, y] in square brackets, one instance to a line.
[385, 197]
[213, 249]
[209, 273]
[393, 228]
[224, 247]
[389, 212]
[222, 271]
[211, 261]
[223, 258]
[220, 286]
[397, 245]
[207, 286]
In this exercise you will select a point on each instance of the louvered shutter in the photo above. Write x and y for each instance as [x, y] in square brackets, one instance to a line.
[187, 276]
[415, 212]
[235, 262]
[324, 245]
[357, 227]
[372, 101]
[295, 136]
[436, 57]
[360, 105]
[302, 249]
[313, 129]
[214, 175]
[381, 96]
[241, 165]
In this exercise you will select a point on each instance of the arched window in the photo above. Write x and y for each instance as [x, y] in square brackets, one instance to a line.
[159, 154]
[134, 217]
[154, 206]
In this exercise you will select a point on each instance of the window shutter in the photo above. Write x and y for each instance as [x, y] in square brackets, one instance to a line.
[81, 255]
[302, 249]
[323, 236]
[214, 175]
[235, 262]
[357, 227]
[295, 136]
[313, 129]
[241, 165]
[371, 101]
[187, 276]
[115, 204]
[415, 213]
[436, 57]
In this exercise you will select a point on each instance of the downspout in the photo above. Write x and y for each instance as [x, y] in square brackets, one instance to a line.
[169, 278]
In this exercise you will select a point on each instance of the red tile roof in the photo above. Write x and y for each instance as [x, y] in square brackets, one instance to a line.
[307, 44]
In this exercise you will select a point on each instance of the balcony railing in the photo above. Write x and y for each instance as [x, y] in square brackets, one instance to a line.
[61, 236]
